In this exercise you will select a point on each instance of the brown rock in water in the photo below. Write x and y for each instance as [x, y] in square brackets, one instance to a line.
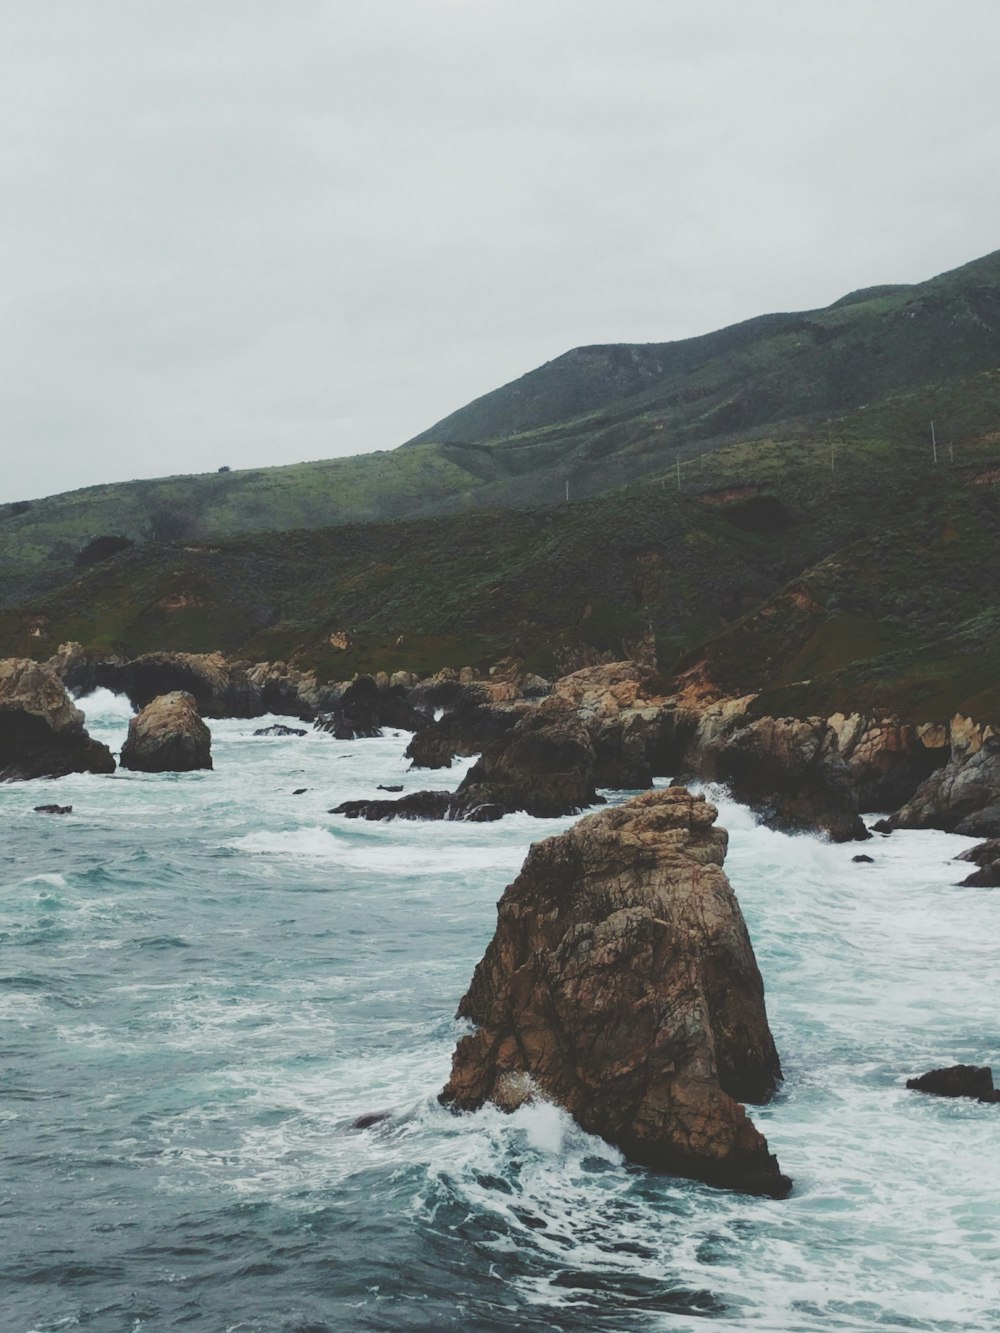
[621, 984]
[168, 736]
[42, 733]
[987, 857]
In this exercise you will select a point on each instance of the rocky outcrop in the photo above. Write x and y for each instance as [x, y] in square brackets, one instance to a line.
[886, 760]
[986, 859]
[421, 805]
[42, 732]
[791, 772]
[168, 736]
[545, 767]
[469, 726]
[366, 706]
[636, 733]
[957, 1081]
[963, 797]
[621, 984]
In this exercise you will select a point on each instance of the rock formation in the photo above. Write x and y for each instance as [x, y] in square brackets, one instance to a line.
[42, 733]
[789, 770]
[962, 797]
[957, 1081]
[168, 736]
[986, 858]
[621, 984]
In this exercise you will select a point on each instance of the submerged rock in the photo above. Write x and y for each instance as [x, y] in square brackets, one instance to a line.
[42, 732]
[53, 809]
[987, 858]
[621, 984]
[279, 729]
[956, 1081]
[421, 805]
[168, 736]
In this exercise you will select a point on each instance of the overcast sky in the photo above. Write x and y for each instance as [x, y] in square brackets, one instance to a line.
[251, 232]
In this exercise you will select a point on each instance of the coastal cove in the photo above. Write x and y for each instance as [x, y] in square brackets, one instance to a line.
[209, 978]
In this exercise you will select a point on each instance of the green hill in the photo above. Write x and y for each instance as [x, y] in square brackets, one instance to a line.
[597, 418]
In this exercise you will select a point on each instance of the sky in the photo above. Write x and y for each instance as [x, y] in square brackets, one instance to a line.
[252, 232]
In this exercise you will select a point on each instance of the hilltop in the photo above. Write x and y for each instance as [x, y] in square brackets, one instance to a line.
[760, 508]
[596, 418]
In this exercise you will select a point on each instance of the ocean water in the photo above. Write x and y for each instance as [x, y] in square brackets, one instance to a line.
[205, 980]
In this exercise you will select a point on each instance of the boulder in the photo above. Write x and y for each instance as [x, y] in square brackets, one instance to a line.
[963, 797]
[168, 736]
[42, 732]
[622, 985]
[956, 1081]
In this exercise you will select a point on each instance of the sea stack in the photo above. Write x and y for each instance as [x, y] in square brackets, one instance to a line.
[168, 736]
[622, 985]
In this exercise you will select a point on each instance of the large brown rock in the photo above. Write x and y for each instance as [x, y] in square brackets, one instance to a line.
[168, 736]
[621, 984]
[42, 732]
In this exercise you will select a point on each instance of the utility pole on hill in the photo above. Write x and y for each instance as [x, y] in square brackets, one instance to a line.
[933, 442]
[567, 490]
[678, 471]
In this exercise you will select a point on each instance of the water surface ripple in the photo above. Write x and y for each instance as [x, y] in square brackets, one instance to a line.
[205, 979]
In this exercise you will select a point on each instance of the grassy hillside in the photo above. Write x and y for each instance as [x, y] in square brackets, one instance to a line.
[875, 581]
[597, 418]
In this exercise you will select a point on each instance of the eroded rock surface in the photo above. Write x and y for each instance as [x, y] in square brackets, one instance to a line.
[962, 797]
[42, 732]
[168, 736]
[621, 984]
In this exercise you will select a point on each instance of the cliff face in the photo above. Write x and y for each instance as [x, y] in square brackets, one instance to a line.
[621, 984]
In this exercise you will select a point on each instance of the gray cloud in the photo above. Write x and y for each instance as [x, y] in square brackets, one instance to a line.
[249, 233]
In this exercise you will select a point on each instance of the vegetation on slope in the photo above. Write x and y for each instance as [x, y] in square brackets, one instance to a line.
[597, 418]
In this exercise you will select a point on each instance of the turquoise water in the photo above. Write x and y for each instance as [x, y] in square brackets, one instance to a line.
[205, 980]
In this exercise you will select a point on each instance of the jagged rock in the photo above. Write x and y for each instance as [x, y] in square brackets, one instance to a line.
[279, 729]
[393, 786]
[986, 856]
[42, 733]
[53, 809]
[168, 736]
[791, 772]
[621, 984]
[469, 726]
[365, 707]
[956, 1081]
[545, 768]
[887, 760]
[422, 805]
[868, 860]
[963, 797]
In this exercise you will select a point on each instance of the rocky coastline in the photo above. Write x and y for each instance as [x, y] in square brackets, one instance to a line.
[548, 747]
